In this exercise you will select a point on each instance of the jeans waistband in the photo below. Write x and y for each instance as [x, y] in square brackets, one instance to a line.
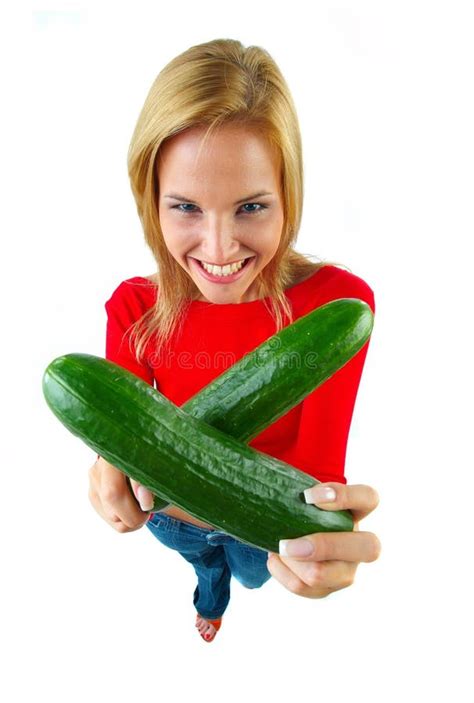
[212, 536]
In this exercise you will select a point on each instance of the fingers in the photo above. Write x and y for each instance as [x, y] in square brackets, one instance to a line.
[359, 499]
[113, 499]
[143, 495]
[118, 500]
[311, 580]
[334, 556]
[354, 546]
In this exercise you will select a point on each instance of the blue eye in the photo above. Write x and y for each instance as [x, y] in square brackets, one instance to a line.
[247, 212]
[177, 207]
[262, 207]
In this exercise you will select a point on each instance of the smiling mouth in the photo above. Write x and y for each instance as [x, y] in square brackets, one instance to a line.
[229, 263]
[221, 277]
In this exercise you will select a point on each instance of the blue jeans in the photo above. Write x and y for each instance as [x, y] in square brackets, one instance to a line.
[215, 556]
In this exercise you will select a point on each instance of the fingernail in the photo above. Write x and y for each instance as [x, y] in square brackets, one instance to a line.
[319, 494]
[146, 502]
[295, 547]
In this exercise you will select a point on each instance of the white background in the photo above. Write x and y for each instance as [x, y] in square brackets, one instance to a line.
[384, 97]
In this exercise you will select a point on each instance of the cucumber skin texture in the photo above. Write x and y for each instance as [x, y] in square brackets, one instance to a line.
[258, 389]
[263, 385]
[266, 383]
[248, 494]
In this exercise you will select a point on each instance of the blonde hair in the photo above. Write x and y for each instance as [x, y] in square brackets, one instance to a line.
[211, 84]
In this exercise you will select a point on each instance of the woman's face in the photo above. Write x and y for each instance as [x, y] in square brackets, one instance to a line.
[221, 208]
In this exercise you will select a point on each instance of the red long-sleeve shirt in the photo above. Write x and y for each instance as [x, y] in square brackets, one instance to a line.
[313, 435]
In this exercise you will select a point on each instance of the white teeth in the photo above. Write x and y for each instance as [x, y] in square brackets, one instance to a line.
[223, 270]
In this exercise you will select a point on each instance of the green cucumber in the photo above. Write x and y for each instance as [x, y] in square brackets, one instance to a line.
[267, 382]
[248, 494]
[208, 473]
[263, 385]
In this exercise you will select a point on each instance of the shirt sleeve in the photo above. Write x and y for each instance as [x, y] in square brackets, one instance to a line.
[123, 308]
[327, 412]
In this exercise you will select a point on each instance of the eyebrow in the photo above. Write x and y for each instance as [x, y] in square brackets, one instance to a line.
[175, 196]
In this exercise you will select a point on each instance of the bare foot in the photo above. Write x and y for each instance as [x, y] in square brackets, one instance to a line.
[206, 628]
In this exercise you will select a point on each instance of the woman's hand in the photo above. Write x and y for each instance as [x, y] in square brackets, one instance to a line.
[335, 555]
[111, 497]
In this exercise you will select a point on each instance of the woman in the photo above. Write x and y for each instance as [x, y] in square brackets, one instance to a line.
[215, 165]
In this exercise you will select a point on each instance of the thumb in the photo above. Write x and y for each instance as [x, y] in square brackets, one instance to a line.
[143, 495]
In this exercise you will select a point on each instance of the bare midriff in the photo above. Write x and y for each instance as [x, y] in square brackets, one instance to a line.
[178, 514]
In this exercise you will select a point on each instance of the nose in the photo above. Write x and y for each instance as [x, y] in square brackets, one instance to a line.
[218, 243]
